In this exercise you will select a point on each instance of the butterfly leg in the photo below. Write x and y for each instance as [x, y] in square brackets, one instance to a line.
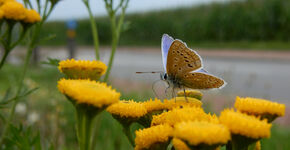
[173, 93]
[166, 90]
[185, 95]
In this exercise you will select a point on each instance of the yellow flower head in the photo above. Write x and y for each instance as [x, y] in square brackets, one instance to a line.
[245, 125]
[196, 133]
[259, 107]
[182, 114]
[88, 92]
[32, 16]
[179, 144]
[181, 102]
[82, 69]
[154, 105]
[146, 138]
[190, 93]
[4, 1]
[127, 109]
[13, 10]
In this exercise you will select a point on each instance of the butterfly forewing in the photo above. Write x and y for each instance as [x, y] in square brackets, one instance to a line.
[166, 41]
[181, 60]
[199, 80]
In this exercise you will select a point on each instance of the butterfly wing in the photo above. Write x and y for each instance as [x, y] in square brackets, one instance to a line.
[181, 60]
[165, 45]
[201, 80]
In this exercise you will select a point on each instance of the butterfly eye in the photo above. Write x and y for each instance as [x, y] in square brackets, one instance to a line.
[165, 76]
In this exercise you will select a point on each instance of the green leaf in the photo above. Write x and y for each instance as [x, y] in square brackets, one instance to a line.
[49, 37]
[51, 61]
[28, 92]
[25, 93]
[6, 96]
[24, 138]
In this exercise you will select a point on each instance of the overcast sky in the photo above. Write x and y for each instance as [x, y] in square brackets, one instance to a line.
[75, 9]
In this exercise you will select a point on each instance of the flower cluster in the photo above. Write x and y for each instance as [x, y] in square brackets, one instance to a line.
[88, 96]
[80, 86]
[183, 122]
[12, 10]
[180, 120]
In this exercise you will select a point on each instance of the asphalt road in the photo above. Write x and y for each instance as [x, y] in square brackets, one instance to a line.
[260, 74]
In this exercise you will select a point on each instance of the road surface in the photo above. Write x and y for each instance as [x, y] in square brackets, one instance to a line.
[258, 74]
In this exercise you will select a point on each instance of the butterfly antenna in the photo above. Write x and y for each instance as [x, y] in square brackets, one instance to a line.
[150, 72]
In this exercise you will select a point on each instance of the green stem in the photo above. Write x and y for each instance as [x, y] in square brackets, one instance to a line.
[30, 48]
[19, 85]
[127, 132]
[114, 46]
[10, 46]
[23, 33]
[4, 58]
[252, 146]
[95, 131]
[7, 47]
[237, 146]
[94, 29]
[85, 121]
[241, 143]
[84, 125]
[116, 30]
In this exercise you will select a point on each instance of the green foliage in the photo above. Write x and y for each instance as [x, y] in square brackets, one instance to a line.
[279, 136]
[23, 138]
[234, 21]
[51, 61]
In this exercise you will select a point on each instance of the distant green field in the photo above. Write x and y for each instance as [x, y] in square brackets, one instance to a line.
[57, 120]
[259, 24]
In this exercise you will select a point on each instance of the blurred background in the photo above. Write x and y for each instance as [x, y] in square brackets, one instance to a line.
[245, 42]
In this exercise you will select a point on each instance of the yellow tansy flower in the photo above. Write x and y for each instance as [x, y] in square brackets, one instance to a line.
[179, 144]
[259, 107]
[182, 114]
[82, 69]
[88, 92]
[190, 93]
[196, 133]
[154, 105]
[181, 102]
[13, 10]
[153, 137]
[245, 125]
[31, 16]
[4, 1]
[127, 109]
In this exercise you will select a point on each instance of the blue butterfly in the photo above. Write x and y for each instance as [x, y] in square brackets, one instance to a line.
[184, 68]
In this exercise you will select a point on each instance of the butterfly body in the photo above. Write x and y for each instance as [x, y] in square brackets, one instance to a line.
[184, 68]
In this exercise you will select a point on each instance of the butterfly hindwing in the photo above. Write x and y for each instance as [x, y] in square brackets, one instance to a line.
[201, 80]
[181, 59]
[165, 45]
